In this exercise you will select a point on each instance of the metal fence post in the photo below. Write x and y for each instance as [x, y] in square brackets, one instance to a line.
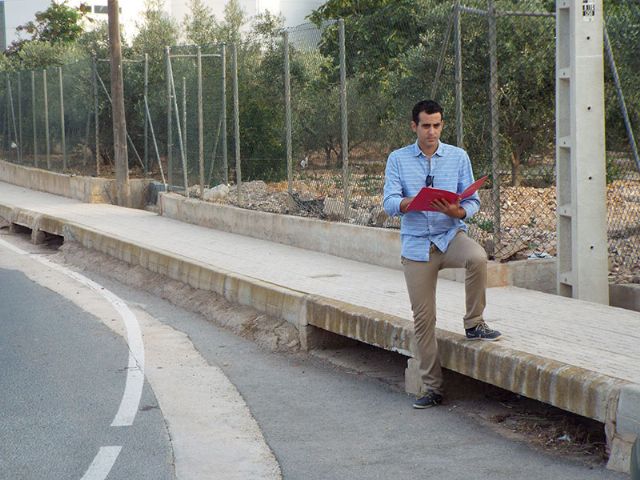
[183, 153]
[6, 129]
[33, 115]
[46, 119]
[13, 120]
[19, 117]
[184, 112]
[287, 103]
[236, 121]
[495, 121]
[62, 126]
[458, 75]
[146, 117]
[96, 112]
[225, 162]
[5, 119]
[167, 53]
[344, 120]
[200, 124]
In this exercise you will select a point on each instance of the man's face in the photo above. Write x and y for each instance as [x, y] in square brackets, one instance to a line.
[428, 129]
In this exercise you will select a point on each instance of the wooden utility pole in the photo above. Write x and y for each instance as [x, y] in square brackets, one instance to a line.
[117, 95]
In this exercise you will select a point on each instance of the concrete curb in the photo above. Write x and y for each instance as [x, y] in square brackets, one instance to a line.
[610, 400]
[85, 189]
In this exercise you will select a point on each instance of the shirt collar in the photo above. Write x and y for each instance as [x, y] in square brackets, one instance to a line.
[439, 151]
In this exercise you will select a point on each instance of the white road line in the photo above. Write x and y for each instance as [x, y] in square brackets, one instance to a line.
[135, 370]
[102, 463]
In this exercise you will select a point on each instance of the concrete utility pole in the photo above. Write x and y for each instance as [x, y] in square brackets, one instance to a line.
[117, 95]
[580, 151]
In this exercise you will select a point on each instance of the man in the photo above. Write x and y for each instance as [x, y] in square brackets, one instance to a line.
[432, 241]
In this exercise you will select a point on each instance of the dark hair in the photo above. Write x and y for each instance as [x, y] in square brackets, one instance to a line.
[427, 106]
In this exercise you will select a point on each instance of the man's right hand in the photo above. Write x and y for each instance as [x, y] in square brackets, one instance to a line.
[405, 203]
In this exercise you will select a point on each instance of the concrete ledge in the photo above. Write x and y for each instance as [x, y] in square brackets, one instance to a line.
[362, 324]
[364, 244]
[625, 296]
[610, 400]
[85, 189]
[571, 388]
[377, 246]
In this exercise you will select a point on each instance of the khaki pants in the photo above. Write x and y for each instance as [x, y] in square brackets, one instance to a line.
[421, 278]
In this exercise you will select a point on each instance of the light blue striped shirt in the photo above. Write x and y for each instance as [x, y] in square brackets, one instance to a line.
[406, 173]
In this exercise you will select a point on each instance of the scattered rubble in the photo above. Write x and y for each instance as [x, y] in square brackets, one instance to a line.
[527, 215]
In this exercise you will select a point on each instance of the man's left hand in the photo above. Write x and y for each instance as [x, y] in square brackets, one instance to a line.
[452, 209]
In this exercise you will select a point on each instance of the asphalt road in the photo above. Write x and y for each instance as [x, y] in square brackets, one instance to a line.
[62, 378]
[324, 423]
[63, 374]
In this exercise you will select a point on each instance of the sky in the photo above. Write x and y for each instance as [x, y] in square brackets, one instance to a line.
[19, 12]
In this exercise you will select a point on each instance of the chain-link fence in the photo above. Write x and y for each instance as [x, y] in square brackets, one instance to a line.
[316, 185]
[508, 122]
[622, 103]
[194, 115]
[302, 121]
[47, 119]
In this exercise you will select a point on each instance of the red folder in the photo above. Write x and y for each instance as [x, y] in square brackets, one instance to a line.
[427, 195]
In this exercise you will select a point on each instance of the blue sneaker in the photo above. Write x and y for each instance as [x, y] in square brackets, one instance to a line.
[429, 399]
[482, 332]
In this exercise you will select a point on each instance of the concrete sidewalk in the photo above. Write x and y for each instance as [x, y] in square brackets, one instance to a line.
[579, 356]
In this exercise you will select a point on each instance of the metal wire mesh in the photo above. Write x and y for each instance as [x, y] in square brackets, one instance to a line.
[10, 139]
[79, 117]
[622, 106]
[188, 164]
[411, 61]
[317, 186]
[57, 151]
[509, 123]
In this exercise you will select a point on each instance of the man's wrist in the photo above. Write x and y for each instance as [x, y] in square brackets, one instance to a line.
[462, 214]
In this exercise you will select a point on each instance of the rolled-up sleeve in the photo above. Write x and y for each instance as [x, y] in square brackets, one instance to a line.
[392, 187]
[471, 204]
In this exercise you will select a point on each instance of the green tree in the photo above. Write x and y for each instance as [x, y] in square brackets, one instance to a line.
[377, 32]
[261, 89]
[234, 19]
[200, 25]
[39, 55]
[59, 23]
[95, 42]
[394, 49]
[156, 30]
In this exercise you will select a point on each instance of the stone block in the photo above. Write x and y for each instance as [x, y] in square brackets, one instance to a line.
[38, 237]
[628, 416]
[314, 338]
[620, 453]
[412, 382]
